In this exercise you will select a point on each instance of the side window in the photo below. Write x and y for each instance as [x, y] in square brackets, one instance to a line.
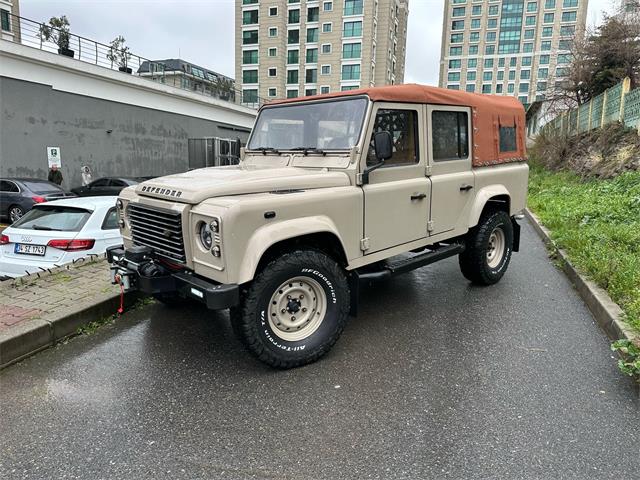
[403, 127]
[6, 186]
[508, 139]
[117, 183]
[110, 220]
[101, 182]
[450, 132]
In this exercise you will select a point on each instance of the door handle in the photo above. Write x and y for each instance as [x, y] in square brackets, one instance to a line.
[466, 188]
[418, 196]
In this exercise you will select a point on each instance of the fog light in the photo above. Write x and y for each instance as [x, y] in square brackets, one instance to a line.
[216, 251]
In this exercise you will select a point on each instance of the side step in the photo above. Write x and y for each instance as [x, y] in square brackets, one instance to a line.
[411, 263]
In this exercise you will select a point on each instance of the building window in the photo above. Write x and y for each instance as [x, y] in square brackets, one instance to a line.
[493, 10]
[564, 45]
[525, 74]
[453, 76]
[351, 50]
[550, 4]
[544, 59]
[529, 34]
[488, 63]
[486, 88]
[250, 76]
[501, 62]
[455, 63]
[473, 36]
[249, 2]
[545, 46]
[293, 57]
[527, 48]
[273, 52]
[310, 91]
[475, 23]
[273, 11]
[5, 20]
[311, 75]
[543, 73]
[513, 62]
[473, 50]
[455, 51]
[250, 37]
[353, 7]
[457, 37]
[459, 12]
[250, 96]
[531, 20]
[491, 36]
[313, 14]
[498, 88]
[532, 6]
[312, 55]
[346, 88]
[327, 6]
[500, 75]
[547, 32]
[292, 93]
[542, 86]
[510, 88]
[325, 89]
[326, 48]
[453, 87]
[471, 87]
[492, 23]
[526, 61]
[325, 70]
[487, 76]
[293, 37]
[292, 76]
[249, 17]
[450, 137]
[567, 30]
[564, 58]
[250, 57]
[459, 25]
[548, 18]
[569, 16]
[476, 10]
[472, 63]
[512, 75]
[524, 88]
[471, 75]
[352, 29]
[569, 3]
[273, 32]
[312, 35]
[327, 27]
[350, 72]
[273, 72]
[294, 16]
[273, 92]
[490, 50]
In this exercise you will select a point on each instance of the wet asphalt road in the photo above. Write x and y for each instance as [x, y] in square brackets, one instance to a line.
[434, 379]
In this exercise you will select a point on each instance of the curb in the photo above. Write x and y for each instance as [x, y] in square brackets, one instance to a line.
[38, 334]
[607, 314]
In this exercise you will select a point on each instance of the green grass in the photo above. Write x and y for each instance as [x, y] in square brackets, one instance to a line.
[597, 222]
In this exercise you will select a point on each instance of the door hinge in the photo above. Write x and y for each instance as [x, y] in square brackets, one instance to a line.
[359, 179]
[364, 244]
[430, 226]
[428, 170]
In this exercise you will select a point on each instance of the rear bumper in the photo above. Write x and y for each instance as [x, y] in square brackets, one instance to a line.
[215, 296]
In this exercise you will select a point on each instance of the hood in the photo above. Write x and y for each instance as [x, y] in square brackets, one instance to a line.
[198, 185]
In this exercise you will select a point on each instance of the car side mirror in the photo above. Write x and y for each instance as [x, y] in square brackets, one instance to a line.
[383, 145]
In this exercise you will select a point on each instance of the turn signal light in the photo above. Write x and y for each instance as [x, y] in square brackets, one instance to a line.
[4, 239]
[72, 245]
[38, 199]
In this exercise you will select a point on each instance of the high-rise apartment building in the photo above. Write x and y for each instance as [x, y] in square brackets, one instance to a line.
[291, 48]
[509, 47]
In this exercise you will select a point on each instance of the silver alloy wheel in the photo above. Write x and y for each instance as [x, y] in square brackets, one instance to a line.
[495, 249]
[297, 309]
[15, 213]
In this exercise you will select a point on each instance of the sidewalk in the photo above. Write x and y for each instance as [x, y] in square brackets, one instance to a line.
[40, 309]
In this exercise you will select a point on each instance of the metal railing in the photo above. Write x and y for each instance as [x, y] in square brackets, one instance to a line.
[28, 32]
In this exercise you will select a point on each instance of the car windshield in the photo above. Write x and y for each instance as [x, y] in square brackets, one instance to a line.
[54, 217]
[328, 125]
[41, 187]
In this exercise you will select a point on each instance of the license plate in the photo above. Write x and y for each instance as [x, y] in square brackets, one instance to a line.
[30, 249]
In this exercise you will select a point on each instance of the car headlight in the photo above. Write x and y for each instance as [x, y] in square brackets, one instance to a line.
[206, 235]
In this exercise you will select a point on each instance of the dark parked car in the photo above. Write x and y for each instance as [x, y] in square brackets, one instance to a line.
[18, 195]
[107, 186]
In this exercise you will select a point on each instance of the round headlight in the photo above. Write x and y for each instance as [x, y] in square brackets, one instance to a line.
[206, 236]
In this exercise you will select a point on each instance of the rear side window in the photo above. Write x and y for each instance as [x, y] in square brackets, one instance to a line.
[6, 186]
[42, 187]
[101, 182]
[450, 133]
[110, 220]
[55, 218]
[508, 139]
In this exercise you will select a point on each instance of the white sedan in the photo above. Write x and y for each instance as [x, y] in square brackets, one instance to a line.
[58, 232]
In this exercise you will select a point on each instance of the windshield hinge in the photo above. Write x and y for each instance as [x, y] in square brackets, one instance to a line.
[359, 180]
[364, 244]
[428, 170]
[430, 226]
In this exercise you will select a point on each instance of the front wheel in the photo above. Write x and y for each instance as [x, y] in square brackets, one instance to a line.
[295, 309]
[15, 213]
[488, 249]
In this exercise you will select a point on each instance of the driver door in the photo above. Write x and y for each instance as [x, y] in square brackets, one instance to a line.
[397, 196]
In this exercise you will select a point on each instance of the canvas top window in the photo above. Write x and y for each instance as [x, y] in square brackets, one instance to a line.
[450, 135]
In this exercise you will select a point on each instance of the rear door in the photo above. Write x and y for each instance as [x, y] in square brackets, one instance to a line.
[396, 199]
[450, 157]
[9, 195]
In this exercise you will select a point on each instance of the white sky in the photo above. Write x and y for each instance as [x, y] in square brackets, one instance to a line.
[201, 31]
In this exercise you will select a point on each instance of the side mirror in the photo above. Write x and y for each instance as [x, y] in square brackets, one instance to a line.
[383, 145]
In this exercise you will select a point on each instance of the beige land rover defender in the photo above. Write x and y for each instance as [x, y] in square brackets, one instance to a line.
[326, 186]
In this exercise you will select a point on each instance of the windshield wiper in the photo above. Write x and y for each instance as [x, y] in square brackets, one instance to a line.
[40, 227]
[264, 150]
[308, 150]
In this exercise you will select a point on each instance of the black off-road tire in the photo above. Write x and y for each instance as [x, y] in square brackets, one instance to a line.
[316, 272]
[474, 261]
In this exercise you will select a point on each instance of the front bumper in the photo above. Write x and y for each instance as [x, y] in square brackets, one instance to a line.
[215, 296]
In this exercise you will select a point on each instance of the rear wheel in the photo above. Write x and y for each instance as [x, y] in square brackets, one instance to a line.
[488, 249]
[15, 213]
[295, 309]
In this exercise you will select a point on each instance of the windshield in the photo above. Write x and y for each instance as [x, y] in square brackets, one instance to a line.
[329, 125]
[57, 218]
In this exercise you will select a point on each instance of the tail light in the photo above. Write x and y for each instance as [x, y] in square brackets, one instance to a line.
[4, 239]
[72, 245]
[38, 199]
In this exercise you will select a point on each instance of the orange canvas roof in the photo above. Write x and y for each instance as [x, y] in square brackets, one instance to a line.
[490, 112]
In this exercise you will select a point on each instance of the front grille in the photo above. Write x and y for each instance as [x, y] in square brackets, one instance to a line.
[159, 229]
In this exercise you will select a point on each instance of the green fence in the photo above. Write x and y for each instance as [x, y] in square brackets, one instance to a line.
[617, 104]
